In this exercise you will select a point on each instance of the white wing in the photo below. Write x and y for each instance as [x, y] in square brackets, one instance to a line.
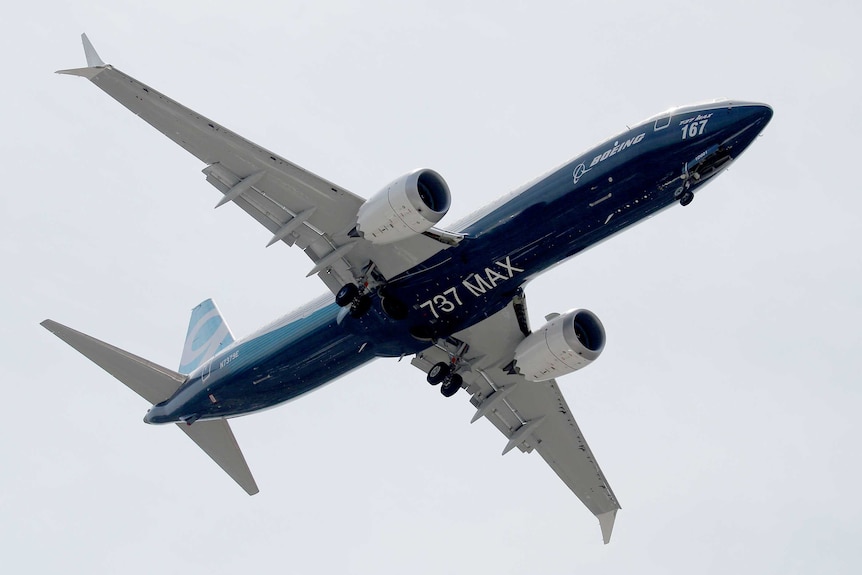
[533, 416]
[298, 207]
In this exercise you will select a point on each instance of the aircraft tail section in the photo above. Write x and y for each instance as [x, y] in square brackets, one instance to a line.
[208, 334]
[157, 384]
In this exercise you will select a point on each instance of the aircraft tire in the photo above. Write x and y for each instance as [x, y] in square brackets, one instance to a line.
[346, 295]
[686, 198]
[452, 385]
[438, 373]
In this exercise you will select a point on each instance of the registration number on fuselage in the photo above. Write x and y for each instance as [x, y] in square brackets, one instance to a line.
[474, 285]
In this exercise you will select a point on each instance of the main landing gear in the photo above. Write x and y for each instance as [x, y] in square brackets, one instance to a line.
[443, 373]
[349, 295]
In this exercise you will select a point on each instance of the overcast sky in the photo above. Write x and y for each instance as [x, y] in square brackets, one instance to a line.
[724, 411]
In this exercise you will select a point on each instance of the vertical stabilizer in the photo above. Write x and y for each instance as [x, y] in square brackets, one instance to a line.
[208, 334]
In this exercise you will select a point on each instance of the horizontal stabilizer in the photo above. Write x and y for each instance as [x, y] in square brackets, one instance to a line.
[216, 439]
[152, 382]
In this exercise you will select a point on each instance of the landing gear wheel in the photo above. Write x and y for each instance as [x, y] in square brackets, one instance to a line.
[452, 385]
[360, 306]
[439, 372]
[346, 295]
[686, 198]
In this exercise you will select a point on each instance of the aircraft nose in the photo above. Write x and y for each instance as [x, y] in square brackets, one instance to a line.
[754, 113]
[762, 113]
[745, 121]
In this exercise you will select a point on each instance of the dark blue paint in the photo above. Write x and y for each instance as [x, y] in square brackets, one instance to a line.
[552, 220]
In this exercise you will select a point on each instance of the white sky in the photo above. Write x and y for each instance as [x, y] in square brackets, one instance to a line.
[724, 410]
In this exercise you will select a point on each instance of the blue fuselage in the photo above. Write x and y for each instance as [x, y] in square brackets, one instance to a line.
[609, 188]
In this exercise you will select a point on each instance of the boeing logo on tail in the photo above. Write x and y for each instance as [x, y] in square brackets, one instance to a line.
[398, 285]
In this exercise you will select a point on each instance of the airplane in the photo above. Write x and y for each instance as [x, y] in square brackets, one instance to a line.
[401, 286]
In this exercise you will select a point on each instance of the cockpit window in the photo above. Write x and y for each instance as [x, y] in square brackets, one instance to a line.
[661, 123]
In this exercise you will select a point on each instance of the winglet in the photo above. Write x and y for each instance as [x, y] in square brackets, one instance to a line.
[606, 522]
[93, 60]
[94, 64]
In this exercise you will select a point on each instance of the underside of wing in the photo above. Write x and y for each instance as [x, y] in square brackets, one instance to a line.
[532, 415]
[296, 206]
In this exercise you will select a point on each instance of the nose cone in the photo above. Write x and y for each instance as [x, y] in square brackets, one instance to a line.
[743, 123]
[759, 114]
[751, 114]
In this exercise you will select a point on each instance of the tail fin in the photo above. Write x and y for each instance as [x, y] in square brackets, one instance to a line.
[156, 384]
[208, 334]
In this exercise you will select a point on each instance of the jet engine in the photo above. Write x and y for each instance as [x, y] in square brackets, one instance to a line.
[565, 344]
[408, 206]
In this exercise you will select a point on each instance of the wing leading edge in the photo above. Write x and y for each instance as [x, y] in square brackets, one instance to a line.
[533, 416]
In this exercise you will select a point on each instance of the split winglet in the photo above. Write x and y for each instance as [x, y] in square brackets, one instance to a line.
[94, 62]
[606, 522]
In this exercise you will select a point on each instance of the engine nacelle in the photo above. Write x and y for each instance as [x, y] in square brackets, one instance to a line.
[408, 206]
[565, 344]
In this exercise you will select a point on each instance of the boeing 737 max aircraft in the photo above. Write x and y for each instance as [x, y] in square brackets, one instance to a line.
[453, 299]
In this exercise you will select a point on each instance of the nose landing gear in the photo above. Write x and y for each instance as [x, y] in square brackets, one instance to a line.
[684, 194]
[686, 198]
